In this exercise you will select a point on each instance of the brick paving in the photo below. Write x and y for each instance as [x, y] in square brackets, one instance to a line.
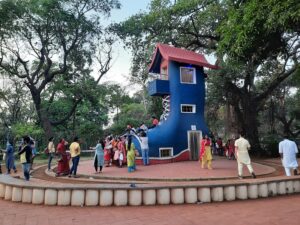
[223, 168]
[276, 211]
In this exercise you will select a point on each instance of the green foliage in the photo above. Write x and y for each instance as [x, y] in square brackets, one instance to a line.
[270, 145]
[21, 129]
[133, 114]
[257, 28]
[50, 46]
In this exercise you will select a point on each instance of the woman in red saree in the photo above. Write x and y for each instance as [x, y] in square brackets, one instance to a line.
[205, 153]
[63, 167]
[230, 153]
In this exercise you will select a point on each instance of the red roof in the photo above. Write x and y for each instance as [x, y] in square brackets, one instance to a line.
[181, 55]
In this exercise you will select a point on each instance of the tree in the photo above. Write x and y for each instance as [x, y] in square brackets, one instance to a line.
[132, 114]
[256, 43]
[44, 40]
[15, 105]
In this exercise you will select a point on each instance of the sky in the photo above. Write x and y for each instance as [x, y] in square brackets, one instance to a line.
[120, 69]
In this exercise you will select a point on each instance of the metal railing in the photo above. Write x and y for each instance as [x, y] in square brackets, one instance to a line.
[157, 76]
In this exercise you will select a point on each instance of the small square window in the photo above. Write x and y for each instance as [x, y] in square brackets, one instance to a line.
[166, 152]
[187, 75]
[188, 108]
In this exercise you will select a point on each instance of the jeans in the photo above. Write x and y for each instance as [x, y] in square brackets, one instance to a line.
[26, 169]
[145, 156]
[49, 160]
[75, 162]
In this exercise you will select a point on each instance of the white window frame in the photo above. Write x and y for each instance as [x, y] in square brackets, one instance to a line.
[193, 106]
[163, 148]
[194, 75]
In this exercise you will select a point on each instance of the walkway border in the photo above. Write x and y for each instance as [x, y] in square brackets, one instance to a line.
[16, 190]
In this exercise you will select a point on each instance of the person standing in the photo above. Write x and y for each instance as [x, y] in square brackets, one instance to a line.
[75, 155]
[205, 153]
[34, 152]
[242, 147]
[145, 148]
[25, 153]
[219, 145]
[155, 122]
[51, 149]
[288, 152]
[99, 156]
[63, 167]
[122, 149]
[10, 159]
[130, 155]
[109, 151]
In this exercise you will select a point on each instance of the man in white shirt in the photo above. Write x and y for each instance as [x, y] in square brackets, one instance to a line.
[288, 152]
[241, 150]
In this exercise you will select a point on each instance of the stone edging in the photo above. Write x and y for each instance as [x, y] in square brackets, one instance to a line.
[16, 190]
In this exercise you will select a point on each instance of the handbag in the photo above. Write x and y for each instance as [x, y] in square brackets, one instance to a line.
[46, 151]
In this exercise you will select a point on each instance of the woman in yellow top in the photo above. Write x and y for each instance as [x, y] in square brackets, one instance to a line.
[130, 155]
[205, 152]
[75, 155]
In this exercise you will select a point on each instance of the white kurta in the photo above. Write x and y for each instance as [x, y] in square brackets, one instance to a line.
[242, 150]
[288, 149]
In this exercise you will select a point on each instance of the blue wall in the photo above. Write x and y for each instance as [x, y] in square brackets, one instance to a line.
[173, 131]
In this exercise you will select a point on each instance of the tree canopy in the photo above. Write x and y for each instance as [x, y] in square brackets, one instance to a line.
[44, 41]
[256, 44]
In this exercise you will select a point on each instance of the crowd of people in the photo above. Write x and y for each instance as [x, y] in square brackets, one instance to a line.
[120, 150]
[218, 147]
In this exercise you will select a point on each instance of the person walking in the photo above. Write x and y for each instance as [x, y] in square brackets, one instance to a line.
[10, 159]
[205, 153]
[75, 155]
[242, 147]
[99, 156]
[51, 150]
[145, 148]
[288, 151]
[25, 154]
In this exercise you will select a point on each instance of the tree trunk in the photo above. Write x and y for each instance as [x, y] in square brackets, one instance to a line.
[42, 114]
[247, 114]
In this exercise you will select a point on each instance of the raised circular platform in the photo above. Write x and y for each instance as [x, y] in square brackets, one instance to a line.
[175, 183]
[180, 171]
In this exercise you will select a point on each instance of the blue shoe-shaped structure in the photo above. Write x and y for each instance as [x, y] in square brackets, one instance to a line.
[179, 79]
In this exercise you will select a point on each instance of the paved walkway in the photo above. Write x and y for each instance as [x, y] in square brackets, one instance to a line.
[275, 211]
